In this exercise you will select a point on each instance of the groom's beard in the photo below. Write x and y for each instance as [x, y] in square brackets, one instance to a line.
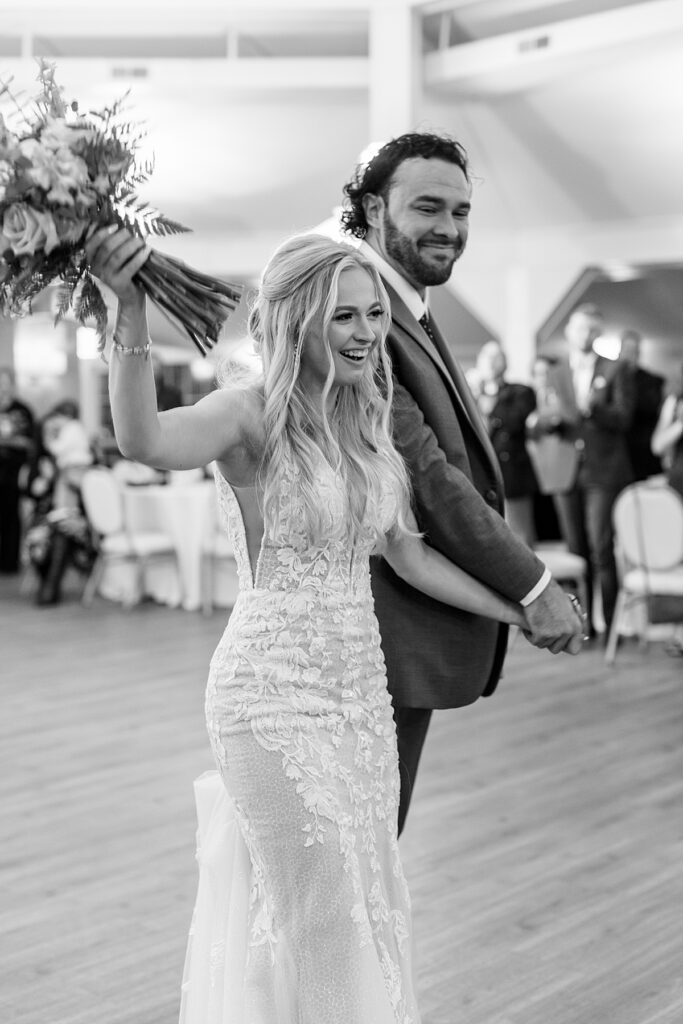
[417, 266]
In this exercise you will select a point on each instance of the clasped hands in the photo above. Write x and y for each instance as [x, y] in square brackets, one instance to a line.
[556, 621]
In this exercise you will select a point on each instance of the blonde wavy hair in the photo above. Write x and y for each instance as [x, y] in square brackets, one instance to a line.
[298, 291]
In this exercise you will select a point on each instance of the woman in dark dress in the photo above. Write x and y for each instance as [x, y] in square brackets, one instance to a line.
[505, 408]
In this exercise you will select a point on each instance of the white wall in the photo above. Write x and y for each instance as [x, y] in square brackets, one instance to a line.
[515, 280]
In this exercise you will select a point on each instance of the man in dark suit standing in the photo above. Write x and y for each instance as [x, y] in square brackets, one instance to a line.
[410, 206]
[604, 399]
[649, 391]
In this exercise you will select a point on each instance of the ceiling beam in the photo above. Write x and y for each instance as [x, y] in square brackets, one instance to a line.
[526, 58]
[487, 7]
[147, 12]
[252, 75]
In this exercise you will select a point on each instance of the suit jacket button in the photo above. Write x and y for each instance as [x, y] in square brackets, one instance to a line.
[491, 496]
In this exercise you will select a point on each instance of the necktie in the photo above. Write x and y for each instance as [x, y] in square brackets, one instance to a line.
[426, 325]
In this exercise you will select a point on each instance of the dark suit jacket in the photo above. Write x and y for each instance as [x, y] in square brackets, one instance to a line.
[649, 388]
[600, 436]
[437, 656]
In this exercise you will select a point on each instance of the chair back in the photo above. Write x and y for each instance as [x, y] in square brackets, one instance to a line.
[555, 462]
[648, 525]
[102, 501]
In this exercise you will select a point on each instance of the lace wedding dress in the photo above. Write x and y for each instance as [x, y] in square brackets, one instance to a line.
[302, 913]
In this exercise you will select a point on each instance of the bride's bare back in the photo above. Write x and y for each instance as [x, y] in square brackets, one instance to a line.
[240, 469]
[252, 517]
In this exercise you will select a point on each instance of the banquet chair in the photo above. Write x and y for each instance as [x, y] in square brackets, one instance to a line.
[104, 506]
[568, 569]
[648, 528]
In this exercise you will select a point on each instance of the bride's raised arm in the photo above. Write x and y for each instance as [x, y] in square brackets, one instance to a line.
[215, 428]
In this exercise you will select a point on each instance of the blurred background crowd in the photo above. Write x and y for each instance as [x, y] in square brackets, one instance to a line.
[546, 840]
[582, 428]
[566, 307]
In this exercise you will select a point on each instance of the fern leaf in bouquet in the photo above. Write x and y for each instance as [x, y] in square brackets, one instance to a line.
[63, 174]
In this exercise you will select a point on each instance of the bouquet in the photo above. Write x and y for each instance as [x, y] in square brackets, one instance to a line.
[62, 175]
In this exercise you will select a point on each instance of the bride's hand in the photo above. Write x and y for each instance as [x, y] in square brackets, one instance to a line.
[115, 256]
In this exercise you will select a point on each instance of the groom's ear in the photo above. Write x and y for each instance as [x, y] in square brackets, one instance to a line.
[373, 207]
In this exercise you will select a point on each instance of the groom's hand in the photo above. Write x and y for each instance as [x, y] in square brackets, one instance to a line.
[553, 621]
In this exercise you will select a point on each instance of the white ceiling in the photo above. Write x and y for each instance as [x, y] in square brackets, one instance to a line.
[248, 151]
[253, 141]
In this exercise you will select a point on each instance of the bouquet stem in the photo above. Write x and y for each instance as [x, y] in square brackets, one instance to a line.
[195, 302]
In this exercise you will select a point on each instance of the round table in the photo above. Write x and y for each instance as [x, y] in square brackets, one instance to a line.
[187, 512]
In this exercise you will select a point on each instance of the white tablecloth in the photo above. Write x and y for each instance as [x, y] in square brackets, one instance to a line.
[187, 512]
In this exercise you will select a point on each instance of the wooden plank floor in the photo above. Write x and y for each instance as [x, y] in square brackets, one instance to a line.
[544, 849]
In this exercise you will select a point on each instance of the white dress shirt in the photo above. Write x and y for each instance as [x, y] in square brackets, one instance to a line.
[582, 365]
[417, 306]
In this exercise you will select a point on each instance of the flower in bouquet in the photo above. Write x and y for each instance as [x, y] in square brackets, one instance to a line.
[62, 175]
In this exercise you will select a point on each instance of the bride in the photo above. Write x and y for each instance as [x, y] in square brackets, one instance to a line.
[306, 916]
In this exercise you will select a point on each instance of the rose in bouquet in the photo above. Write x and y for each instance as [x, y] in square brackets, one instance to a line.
[62, 175]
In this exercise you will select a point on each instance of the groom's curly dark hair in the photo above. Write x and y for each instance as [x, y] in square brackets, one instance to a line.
[375, 177]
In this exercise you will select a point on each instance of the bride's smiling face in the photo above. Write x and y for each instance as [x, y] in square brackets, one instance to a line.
[354, 331]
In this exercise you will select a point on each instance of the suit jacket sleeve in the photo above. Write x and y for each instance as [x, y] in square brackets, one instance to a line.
[614, 406]
[456, 519]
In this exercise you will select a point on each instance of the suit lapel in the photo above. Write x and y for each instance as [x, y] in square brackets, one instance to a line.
[464, 394]
[563, 380]
[453, 376]
[604, 368]
[402, 315]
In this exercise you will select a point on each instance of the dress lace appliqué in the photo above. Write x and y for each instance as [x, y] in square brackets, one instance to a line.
[301, 726]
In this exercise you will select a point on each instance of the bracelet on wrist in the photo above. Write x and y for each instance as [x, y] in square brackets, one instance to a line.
[131, 350]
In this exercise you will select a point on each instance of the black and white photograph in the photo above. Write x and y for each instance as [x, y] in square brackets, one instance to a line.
[341, 512]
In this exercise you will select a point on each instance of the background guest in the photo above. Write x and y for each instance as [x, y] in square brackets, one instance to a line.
[649, 392]
[505, 408]
[550, 443]
[17, 447]
[65, 437]
[667, 438]
[58, 534]
[168, 395]
[603, 393]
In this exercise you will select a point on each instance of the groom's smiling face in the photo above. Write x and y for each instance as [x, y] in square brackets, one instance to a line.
[421, 226]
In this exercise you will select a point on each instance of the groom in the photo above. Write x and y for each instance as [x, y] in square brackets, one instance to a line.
[410, 206]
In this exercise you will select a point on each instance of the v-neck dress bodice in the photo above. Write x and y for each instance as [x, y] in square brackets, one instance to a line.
[301, 725]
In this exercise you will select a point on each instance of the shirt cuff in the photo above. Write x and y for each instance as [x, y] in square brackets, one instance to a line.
[537, 590]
